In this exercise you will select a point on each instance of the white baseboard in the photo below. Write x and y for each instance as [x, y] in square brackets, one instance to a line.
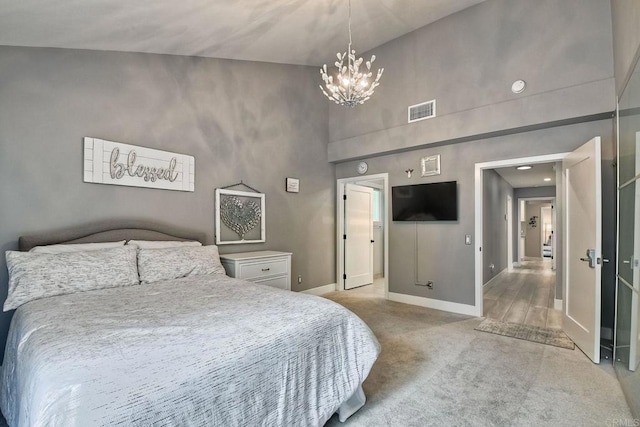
[490, 281]
[452, 307]
[557, 304]
[320, 290]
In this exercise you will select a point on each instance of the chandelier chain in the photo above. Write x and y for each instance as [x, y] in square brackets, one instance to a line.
[351, 86]
[349, 22]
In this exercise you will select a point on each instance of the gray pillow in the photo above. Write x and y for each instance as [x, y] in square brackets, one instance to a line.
[75, 247]
[173, 263]
[34, 275]
[162, 244]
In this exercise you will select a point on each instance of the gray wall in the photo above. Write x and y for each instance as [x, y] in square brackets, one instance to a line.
[255, 122]
[626, 39]
[527, 192]
[467, 61]
[442, 255]
[494, 223]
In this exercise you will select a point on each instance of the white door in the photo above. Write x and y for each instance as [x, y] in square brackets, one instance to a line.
[358, 229]
[583, 237]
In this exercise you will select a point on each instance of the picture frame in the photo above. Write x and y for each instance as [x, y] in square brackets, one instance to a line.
[239, 217]
[292, 185]
[430, 165]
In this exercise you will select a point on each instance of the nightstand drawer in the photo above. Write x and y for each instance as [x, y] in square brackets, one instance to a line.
[263, 269]
[276, 282]
[271, 268]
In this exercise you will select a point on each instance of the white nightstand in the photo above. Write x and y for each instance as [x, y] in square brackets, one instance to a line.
[269, 268]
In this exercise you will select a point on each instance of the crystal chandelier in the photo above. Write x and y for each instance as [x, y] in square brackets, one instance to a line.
[352, 86]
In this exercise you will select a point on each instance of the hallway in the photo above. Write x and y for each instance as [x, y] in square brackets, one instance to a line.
[374, 290]
[525, 295]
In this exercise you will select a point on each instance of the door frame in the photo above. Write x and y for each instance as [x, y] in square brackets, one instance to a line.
[542, 235]
[509, 233]
[479, 168]
[525, 200]
[357, 246]
[340, 226]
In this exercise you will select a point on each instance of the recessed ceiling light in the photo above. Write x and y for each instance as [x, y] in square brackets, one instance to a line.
[518, 86]
[524, 167]
[547, 179]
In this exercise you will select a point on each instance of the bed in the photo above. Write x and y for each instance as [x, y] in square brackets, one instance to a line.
[198, 350]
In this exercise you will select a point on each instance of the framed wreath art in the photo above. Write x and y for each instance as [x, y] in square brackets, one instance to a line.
[240, 217]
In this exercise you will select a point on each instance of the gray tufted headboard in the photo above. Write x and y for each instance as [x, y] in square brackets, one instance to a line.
[110, 231]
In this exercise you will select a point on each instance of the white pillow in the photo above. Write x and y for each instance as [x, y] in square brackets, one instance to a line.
[75, 247]
[34, 276]
[162, 244]
[174, 263]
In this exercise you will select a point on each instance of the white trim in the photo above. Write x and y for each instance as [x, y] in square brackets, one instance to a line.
[436, 304]
[489, 282]
[320, 290]
[340, 226]
[510, 232]
[557, 304]
[550, 199]
[479, 167]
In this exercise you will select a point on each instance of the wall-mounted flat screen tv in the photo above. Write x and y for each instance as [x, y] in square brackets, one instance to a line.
[437, 201]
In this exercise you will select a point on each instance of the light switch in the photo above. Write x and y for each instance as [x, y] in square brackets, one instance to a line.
[467, 239]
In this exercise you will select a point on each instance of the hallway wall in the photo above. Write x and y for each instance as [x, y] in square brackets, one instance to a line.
[494, 224]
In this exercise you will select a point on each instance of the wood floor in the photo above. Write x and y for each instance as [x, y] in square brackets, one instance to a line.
[525, 295]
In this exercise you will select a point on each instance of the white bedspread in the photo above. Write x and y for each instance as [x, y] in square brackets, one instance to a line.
[204, 351]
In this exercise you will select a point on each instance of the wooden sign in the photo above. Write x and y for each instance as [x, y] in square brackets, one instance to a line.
[108, 162]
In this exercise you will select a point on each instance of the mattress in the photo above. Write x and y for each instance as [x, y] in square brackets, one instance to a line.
[207, 350]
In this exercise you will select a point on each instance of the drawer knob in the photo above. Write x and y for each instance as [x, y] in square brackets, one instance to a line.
[266, 269]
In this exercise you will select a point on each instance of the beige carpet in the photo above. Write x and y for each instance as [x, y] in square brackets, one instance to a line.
[436, 370]
[555, 337]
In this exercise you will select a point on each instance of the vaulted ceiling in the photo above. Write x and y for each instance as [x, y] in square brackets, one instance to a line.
[306, 32]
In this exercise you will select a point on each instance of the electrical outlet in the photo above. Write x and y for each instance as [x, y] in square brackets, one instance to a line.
[299, 280]
[467, 239]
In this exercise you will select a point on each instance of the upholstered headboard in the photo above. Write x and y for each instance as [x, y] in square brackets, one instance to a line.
[110, 231]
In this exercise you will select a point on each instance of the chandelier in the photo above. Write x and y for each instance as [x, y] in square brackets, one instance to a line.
[351, 86]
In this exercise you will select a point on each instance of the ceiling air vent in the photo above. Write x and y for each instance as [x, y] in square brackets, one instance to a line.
[425, 110]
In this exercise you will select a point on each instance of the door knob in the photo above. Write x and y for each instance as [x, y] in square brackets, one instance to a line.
[591, 258]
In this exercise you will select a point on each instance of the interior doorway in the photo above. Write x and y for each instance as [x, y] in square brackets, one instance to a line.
[378, 185]
[533, 298]
[536, 229]
[523, 293]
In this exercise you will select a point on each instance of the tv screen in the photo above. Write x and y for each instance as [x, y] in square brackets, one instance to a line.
[425, 202]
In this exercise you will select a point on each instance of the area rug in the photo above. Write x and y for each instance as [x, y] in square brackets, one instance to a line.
[555, 337]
